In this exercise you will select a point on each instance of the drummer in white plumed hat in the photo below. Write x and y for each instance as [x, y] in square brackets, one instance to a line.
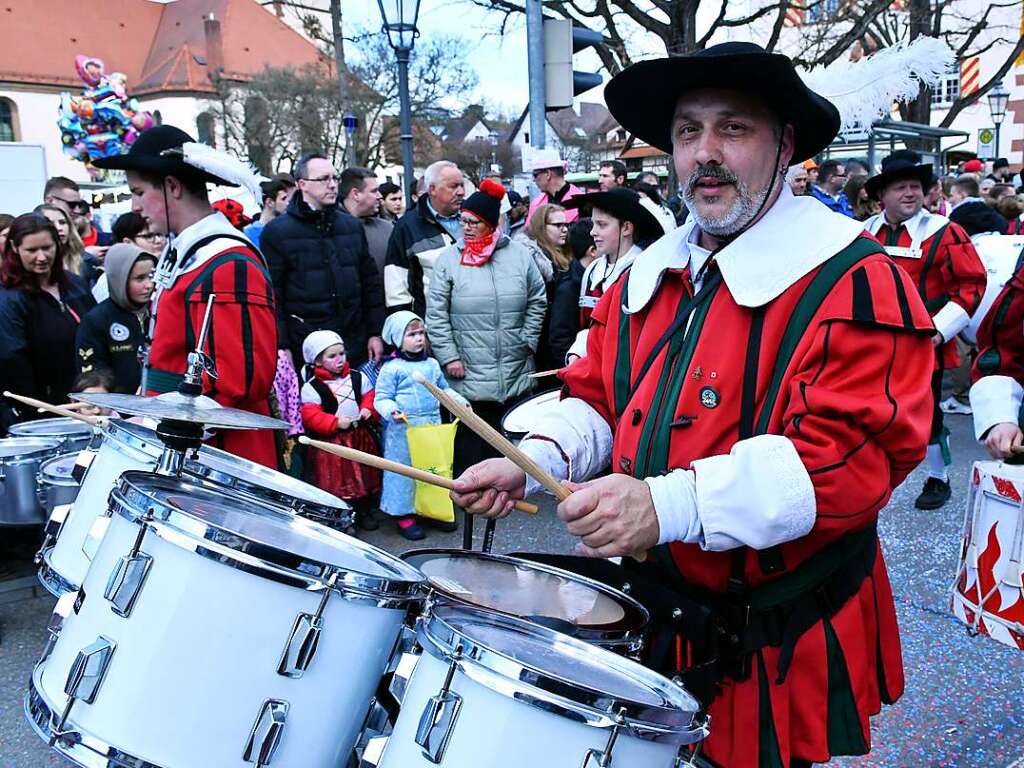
[549, 171]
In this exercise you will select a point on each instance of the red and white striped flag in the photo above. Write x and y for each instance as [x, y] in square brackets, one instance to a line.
[795, 15]
[970, 75]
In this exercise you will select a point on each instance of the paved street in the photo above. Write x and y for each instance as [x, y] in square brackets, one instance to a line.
[963, 705]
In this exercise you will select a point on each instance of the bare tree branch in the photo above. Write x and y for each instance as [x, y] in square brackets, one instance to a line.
[965, 101]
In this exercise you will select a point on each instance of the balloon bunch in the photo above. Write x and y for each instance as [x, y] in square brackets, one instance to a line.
[102, 121]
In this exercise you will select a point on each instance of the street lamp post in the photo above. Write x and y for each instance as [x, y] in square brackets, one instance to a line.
[399, 18]
[492, 139]
[998, 98]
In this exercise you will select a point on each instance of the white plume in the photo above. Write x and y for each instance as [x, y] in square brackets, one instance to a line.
[865, 90]
[224, 166]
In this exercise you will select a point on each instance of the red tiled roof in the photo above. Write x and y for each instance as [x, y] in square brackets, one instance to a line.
[642, 151]
[159, 47]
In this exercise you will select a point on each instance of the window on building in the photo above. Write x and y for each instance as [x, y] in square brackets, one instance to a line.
[8, 121]
[158, 119]
[206, 129]
[620, 134]
[948, 89]
[257, 129]
[823, 10]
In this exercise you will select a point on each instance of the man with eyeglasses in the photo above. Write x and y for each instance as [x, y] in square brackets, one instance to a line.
[324, 277]
[64, 192]
[549, 176]
[828, 189]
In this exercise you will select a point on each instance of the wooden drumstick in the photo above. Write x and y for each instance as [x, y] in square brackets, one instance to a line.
[399, 469]
[495, 439]
[542, 374]
[502, 445]
[57, 409]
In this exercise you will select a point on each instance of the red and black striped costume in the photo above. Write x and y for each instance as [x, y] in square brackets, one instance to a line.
[838, 363]
[242, 338]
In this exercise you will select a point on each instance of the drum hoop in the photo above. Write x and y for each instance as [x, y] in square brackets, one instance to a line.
[188, 532]
[622, 632]
[81, 748]
[78, 428]
[58, 480]
[548, 691]
[121, 436]
[37, 456]
[204, 472]
[52, 581]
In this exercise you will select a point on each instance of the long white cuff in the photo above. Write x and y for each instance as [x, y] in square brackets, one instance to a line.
[675, 502]
[759, 495]
[950, 320]
[582, 435]
[995, 400]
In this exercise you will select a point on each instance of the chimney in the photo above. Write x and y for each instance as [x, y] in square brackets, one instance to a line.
[214, 46]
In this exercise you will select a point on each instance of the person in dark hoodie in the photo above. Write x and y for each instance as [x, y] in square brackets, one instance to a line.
[113, 333]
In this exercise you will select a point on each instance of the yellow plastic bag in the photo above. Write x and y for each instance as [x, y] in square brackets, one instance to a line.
[432, 448]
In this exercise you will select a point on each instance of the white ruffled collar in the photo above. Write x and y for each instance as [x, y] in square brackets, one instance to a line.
[214, 224]
[921, 226]
[796, 235]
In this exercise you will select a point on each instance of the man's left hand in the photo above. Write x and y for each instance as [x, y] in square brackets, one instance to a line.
[613, 516]
[937, 340]
[375, 348]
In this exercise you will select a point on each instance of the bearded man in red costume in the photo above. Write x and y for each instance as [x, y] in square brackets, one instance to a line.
[167, 174]
[758, 383]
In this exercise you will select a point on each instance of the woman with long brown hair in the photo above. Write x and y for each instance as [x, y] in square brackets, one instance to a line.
[546, 236]
[41, 305]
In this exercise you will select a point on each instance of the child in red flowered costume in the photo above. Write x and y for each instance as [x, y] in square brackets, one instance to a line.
[337, 406]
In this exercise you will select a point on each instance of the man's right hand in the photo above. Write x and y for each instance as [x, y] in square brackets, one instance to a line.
[1002, 439]
[490, 488]
[456, 369]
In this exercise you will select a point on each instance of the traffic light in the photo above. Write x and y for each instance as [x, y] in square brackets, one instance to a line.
[561, 83]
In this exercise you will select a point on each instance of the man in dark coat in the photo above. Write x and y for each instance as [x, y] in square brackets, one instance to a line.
[324, 278]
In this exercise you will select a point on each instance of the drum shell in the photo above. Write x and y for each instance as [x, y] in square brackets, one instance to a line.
[988, 592]
[495, 731]
[198, 656]
[113, 458]
[518, 420]
[55, 490]
[19, 490]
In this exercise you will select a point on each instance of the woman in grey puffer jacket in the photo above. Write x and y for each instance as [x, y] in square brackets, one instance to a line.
[485, 310]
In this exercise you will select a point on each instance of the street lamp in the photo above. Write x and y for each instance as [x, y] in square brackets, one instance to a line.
[998, 98]
[399, 18]
[492, 138]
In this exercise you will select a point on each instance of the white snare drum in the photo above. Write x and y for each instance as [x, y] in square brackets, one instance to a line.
[491, 691]
[20, 458]
[127, 446]
[57, 483]
[999, 254]
[216, 631]
[70, 434]
[987, 593]
[542, 594]
[521, 419]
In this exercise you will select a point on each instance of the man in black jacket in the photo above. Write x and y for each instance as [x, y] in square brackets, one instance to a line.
[426, 229]
[324, 278]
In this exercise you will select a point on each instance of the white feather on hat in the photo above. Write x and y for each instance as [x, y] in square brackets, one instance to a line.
[863, 91]
[224, 166]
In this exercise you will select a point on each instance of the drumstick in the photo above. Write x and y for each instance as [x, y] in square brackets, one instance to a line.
[501, 444]
[496, 440]
[72, 406]
[399, 469]
[47, 407]
[542, 374]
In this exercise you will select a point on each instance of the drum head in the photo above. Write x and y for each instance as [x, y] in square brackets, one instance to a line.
[26, 448]
[59, 469]
[267, 538]
[235, 472]
[530, 591]
[522, 418]
[60, 427]
[591, 678]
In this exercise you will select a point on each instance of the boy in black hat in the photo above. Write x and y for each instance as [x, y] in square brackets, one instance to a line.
[758, 384]
[950, 278]
[167, 174]
[622, 227]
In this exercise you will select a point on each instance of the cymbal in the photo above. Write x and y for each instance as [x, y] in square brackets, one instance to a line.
[174, 405]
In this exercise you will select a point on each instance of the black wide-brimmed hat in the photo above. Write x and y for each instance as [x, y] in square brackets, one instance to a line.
[624, 204]
[643, 97]
[901, 164]
[158, 151]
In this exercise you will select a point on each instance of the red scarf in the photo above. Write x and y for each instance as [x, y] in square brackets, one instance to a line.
[478, 250]
[324, 375]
